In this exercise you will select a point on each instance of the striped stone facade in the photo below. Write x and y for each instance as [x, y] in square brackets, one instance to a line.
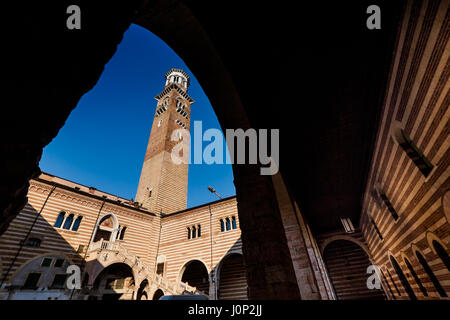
[147, 238]
[405, 219]
[211, 248]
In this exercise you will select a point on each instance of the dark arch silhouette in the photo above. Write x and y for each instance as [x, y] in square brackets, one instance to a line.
[202, 58]
[402, 278]
[393, 282]
[141, 294]
[347, 264]
[388, 285]
[430, 274]
[232, 278]
[111, 281]
[158, 294]
[442, 253]
[416, 277]
[196, 275]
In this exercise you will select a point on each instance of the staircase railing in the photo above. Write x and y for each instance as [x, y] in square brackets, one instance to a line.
[174, 286]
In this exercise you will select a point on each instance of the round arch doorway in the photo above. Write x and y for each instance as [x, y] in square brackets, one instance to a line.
[347, 264]
[115, 282]
[195, 274]
[232, 281]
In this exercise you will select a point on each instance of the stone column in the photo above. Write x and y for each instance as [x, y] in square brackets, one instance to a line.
[212, 285]
[270, 274]
[306, 278]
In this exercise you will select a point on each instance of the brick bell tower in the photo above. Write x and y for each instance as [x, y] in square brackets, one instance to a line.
[163, 184]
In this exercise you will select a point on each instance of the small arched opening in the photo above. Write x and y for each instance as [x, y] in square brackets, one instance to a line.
[387, 284]
[415, 276]
[347, 265]
[106, 228]
[115, 282]
[158, 294]
[442, 253]
[439, 248]
[142, 292]
[41, 278]
[402, 278]
[195, 274]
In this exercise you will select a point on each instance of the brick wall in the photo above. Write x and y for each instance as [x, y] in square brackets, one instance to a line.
[416, 101]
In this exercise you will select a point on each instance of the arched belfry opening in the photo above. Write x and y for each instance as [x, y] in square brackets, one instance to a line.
[347, 265]
[195, 274]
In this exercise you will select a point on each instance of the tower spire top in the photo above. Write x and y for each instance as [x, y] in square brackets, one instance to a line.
[179, 77]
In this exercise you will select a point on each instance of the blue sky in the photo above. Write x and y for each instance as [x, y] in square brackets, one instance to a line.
[104, 140]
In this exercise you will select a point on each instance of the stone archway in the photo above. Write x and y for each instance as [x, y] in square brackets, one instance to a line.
[142, 291]
[115, 282]
[232, 281]
[195, 274]
[347, 264]
[41, 277]
[343, 237]
[255, 209]
[106, 228]
[158, 294]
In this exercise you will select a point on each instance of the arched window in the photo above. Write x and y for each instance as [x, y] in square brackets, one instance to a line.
[402, 278]
[416, 277]
[442, 253]
[76, 224]
[228, 224]
[59, 220]
[393, 282]
[199, 231]
[194, 233]
[430, 274]
[189, 232]
[159, 122]
[122, 233]
[68, 222]
[222, 225]
[233, 222]
[388, 285]
[413, 152]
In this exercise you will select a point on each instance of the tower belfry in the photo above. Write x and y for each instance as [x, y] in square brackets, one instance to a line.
[163, 184]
